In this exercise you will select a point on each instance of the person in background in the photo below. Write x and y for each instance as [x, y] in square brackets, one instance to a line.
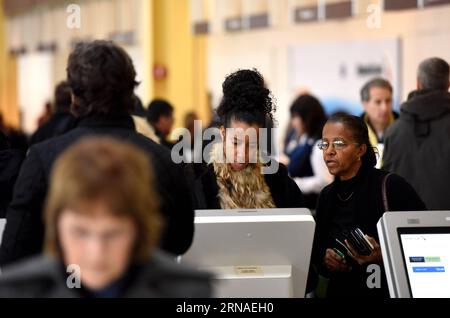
[376, 97]
[10, 162]
[61, 121]
[354, 200]
[160, 117]
[231, 180]
[46, 114]
[139, 114]
[103, 79]
[306, 164]
[189, 124]
[17, 139]
[417, 145]
[102, 215]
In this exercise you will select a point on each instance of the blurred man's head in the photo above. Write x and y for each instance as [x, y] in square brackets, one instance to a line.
[433, 74]
[160, 116]
[376, 97]
[101, 212]
[63, 97]
[102, 78]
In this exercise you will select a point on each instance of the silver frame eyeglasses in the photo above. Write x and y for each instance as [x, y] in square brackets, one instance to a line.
[337, 144]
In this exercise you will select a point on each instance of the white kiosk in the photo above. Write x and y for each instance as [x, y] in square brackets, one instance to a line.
[416, 253]
[254, 253]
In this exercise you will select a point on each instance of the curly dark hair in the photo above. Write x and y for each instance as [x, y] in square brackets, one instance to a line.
[246, 99]
[102, 78]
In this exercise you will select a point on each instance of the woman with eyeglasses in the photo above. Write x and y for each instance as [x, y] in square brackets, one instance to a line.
[357, 198]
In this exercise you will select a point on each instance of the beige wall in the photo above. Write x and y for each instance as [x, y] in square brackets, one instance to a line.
[423, 34]
[99, 19]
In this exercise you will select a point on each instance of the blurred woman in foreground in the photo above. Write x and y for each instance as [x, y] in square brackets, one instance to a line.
[102, 228]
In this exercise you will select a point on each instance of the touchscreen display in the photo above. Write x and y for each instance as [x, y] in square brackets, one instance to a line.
[426, 255]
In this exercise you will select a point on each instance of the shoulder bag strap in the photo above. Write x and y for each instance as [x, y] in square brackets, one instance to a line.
[384, 194]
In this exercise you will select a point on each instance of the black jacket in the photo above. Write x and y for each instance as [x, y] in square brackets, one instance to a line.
[10, 161]
[368, 209]
[24, 231]
[417, 146]
[161, 277]
[285, 192]
[58, 124]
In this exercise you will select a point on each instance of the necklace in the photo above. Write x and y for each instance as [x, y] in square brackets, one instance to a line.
[345, 200]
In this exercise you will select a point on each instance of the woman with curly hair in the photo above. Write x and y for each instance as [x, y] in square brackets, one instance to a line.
[235, 176]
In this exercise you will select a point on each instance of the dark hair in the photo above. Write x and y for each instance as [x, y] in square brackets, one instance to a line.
[158, 108]
[246, 99]
[102, 78]
[360, 133]
[311, 111]
[434, 73]
[376, 82]
[63, 97]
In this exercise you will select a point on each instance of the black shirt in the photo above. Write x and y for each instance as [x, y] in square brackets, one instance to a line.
[344, 207]
[363, 209]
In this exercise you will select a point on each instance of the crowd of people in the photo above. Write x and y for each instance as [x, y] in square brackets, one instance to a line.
[98, 186]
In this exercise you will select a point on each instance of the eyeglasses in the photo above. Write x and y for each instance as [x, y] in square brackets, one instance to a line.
[337, 144]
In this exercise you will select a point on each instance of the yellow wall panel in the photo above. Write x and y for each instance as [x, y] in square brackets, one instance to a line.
[184, 57]
[8, 78]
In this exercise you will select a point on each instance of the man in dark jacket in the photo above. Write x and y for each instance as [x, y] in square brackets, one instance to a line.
[102, 78]
[417, 145]
[61, 121]
[160, 117]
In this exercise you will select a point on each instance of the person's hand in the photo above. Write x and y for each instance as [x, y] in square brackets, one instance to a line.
[335, 263]
[373, 257]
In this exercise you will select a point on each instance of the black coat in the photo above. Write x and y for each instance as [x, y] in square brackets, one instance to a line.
[24, 231]
[58, 124]
[160, 277]
[285, 192]
[10, 161]
[417, 146]
[368, 209]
